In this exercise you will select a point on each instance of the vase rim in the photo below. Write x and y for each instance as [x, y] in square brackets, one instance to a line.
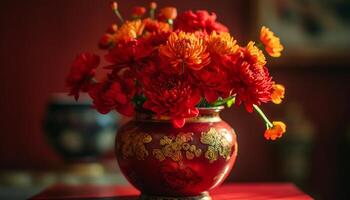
[206, 114]
[212, 108]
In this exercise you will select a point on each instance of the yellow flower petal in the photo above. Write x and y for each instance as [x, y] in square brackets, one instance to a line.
[222, 43]
[272, 43]
[277, 93]
[130, 30]
[256, 53]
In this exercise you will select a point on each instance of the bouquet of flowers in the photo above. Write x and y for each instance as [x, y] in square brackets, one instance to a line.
[170, 65]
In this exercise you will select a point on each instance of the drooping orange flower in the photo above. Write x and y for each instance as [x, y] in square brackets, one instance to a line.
[278, 129]
[222, 43]
[185, 50]
[256, 54]
[168, 12]
[278, 92]
[130, 30]
[272, 43]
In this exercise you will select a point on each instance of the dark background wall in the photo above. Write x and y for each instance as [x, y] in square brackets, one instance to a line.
[39, 39]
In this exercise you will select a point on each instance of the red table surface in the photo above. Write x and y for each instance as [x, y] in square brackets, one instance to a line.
[251, 191]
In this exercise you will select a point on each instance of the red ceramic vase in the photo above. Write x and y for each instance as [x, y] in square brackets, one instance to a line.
[182, 163]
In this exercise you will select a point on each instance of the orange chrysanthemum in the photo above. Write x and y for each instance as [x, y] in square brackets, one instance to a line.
[277, 93]
[168, 12]
[272, 43]
[278, 129]
[185, 50]
[256, 54]
[222, 43]
[130, 30]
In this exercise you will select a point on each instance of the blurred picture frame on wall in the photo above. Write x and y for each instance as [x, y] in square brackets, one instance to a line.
[313, 30]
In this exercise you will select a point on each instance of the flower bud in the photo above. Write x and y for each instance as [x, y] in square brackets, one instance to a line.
[114, 5]
[138, 11]
[169, 12]
[153, 5]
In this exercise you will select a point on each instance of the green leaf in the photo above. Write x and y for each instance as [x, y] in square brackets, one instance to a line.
[230, 102]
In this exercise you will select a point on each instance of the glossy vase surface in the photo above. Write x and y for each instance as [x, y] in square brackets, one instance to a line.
[163, 161]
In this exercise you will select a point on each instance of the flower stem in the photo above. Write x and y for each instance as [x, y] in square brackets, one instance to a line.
[116, 12]
[263, 116]
[151, 13]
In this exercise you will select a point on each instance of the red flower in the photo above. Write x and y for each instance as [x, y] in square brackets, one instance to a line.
[115, 93]
[171, 95]
[155, 39]
[138, 11]
[152, 25]
[106, 41]
[81, 73]
[190, 21]
[128, 54]
[214, 82]
[250, 81]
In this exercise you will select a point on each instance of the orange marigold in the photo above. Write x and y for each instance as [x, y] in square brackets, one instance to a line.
[272, 43]
[277, 94]
[130, 30]
[169, 12]
[256, 54]
[222, 43]
[278, 129]
[185, 50]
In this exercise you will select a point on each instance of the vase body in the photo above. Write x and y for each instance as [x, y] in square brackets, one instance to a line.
[161, 160]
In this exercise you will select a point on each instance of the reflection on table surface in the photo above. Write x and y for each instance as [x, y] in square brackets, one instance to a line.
[22, 184]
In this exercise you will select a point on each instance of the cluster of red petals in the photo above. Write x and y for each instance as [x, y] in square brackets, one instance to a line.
[114, 93]
[250, 81]
[128, 54]
[200, 20]
[213, 81]
[81, 73]
[171, 95]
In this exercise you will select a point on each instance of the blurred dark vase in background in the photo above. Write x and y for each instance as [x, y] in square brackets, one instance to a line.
[77, 132]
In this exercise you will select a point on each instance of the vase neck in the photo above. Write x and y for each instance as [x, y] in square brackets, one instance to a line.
[211, 114]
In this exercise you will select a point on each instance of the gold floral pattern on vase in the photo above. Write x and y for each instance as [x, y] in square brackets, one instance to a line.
[133, 144]
[172, 147]
[218, 144]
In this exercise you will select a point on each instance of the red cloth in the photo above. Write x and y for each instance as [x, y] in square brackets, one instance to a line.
[251, 191]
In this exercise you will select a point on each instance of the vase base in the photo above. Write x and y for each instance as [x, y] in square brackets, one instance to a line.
[203, 196]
